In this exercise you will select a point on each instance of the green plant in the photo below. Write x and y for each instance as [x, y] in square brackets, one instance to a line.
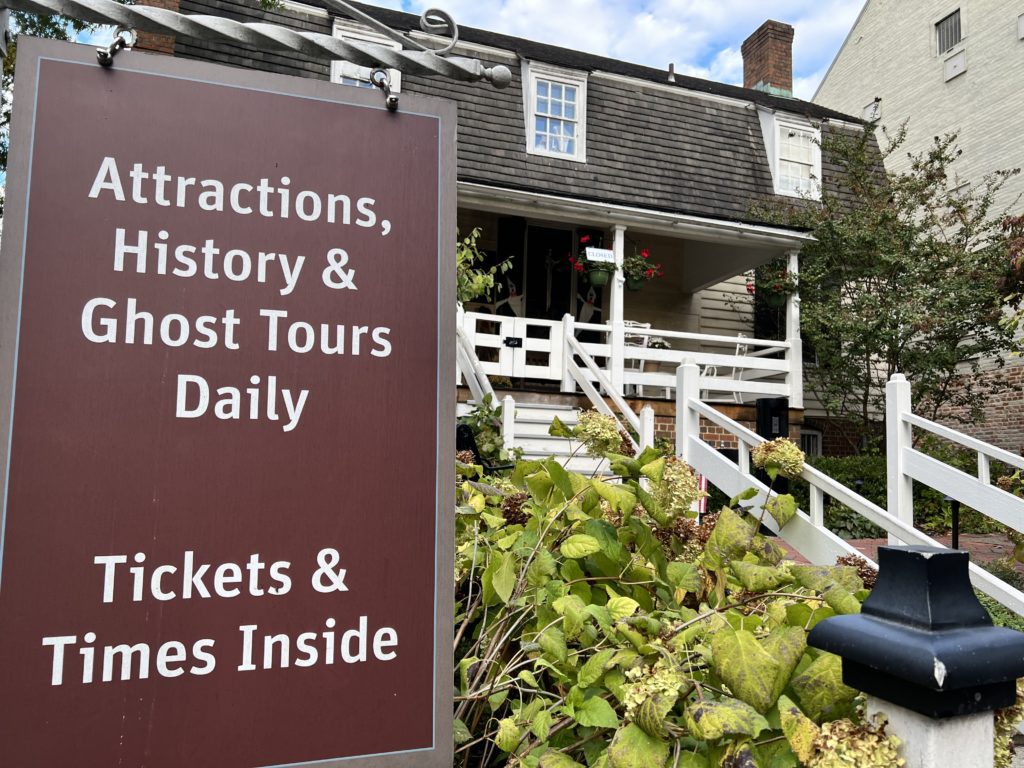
[473, 281]
[486, 422]
[638, 267]
[597, 625]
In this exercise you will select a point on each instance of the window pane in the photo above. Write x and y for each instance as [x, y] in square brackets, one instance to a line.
[542, 125]
[570, 147]
[542, 106]
[570, 111]
[570, 93]
[556, 91]
[540, 141]
[542, 88]
[556, 128]
[556, 108]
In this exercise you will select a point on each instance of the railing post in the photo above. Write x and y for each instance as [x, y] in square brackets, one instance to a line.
[687, 420]
[646, 427]
[508, 422]
[460, 317]
[795, 378]
[937, 692]
[616, 362]
[899, 437]
[568, 332]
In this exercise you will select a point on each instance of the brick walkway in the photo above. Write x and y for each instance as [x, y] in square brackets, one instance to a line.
[983, 547]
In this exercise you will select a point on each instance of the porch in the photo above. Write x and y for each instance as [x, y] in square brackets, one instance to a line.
[553, 329]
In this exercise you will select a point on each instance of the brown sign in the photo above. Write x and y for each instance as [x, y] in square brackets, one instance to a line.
[227, 431]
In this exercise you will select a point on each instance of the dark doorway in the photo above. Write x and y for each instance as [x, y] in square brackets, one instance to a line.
[548, 272]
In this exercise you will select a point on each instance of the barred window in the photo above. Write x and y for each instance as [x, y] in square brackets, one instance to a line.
[947, 32]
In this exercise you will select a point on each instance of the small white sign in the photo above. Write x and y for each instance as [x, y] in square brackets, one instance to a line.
[601, 254]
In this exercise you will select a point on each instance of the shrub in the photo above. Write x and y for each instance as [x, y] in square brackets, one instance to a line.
[596, 627]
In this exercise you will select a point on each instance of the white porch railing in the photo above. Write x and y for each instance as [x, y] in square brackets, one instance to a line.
[734, 369]
[807, 533]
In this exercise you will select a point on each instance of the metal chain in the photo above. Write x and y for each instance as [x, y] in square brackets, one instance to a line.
[274, 37]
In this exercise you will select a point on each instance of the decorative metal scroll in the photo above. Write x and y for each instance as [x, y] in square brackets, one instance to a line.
[414, 58]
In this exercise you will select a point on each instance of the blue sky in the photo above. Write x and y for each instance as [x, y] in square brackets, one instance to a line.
[702, 37]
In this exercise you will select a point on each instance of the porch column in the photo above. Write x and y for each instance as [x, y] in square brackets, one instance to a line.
[796, 350]
[615, 299]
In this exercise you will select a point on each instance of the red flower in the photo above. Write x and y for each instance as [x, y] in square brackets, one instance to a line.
[579, 267]
[645, 253]
[750, 288]
[585, 239]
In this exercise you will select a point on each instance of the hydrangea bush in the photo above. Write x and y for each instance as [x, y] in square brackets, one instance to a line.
[599, 625]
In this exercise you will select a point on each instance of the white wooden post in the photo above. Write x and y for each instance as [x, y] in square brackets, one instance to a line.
[568, 330]
[460, 318]
[615, 312]
[687, 420]
[795, 379]
[508, 422]
[646, 427]
[898, 437]
[966, 741]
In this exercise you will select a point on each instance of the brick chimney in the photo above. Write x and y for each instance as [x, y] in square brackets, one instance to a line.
[149, 41]
[768, 59]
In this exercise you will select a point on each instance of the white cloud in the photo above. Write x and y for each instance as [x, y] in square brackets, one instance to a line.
[702, 37]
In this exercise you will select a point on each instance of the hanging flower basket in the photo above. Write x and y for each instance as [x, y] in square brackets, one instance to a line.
[598, 277]
[776, 299]
[635, 283]
[638, 268]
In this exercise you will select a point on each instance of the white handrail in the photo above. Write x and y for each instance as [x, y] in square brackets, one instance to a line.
[591, 391]
[807, 533]
[972, 443]
[472, 370]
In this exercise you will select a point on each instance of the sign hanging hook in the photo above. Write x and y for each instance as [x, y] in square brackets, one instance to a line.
[123, 38]
[381, 78]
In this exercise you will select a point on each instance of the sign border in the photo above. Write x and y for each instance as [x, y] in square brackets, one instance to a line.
[32, 51]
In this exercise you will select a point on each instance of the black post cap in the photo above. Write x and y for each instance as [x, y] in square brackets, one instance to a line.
[922, 639]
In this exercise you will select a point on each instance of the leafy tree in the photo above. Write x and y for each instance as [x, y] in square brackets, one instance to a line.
[903, 277]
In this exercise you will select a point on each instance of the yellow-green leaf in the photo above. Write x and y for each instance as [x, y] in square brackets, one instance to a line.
[782, 508]
[730, 539]
[508, 735]
[620, 497]
[714, 719]
[621, 607]
[758, 578]
[596, 712]
[651, 714]
[551, 759]
[504, 579]
[786, 645]
[594, 667]
[747, 668]
[580, 545]
[801, 732]
[632, 748]
[820, 688]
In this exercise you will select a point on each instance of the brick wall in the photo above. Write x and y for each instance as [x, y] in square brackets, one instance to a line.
[157, 43]
[1003, 424]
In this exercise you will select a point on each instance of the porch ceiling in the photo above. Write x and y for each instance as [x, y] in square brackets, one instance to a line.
[715, 249]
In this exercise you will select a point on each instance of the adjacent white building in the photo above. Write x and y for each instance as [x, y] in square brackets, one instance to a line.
[945, 66]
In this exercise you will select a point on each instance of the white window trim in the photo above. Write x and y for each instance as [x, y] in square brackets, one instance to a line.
[772, 125]
[533, 70]
[1020, 27]
[813, 433]
[350, 30]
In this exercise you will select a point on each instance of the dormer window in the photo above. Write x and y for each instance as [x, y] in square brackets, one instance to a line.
[555, 102]
[794, 154]
[799, 162]
[347, 73]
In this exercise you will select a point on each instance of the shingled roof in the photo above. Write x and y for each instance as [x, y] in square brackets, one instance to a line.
[692, 147]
